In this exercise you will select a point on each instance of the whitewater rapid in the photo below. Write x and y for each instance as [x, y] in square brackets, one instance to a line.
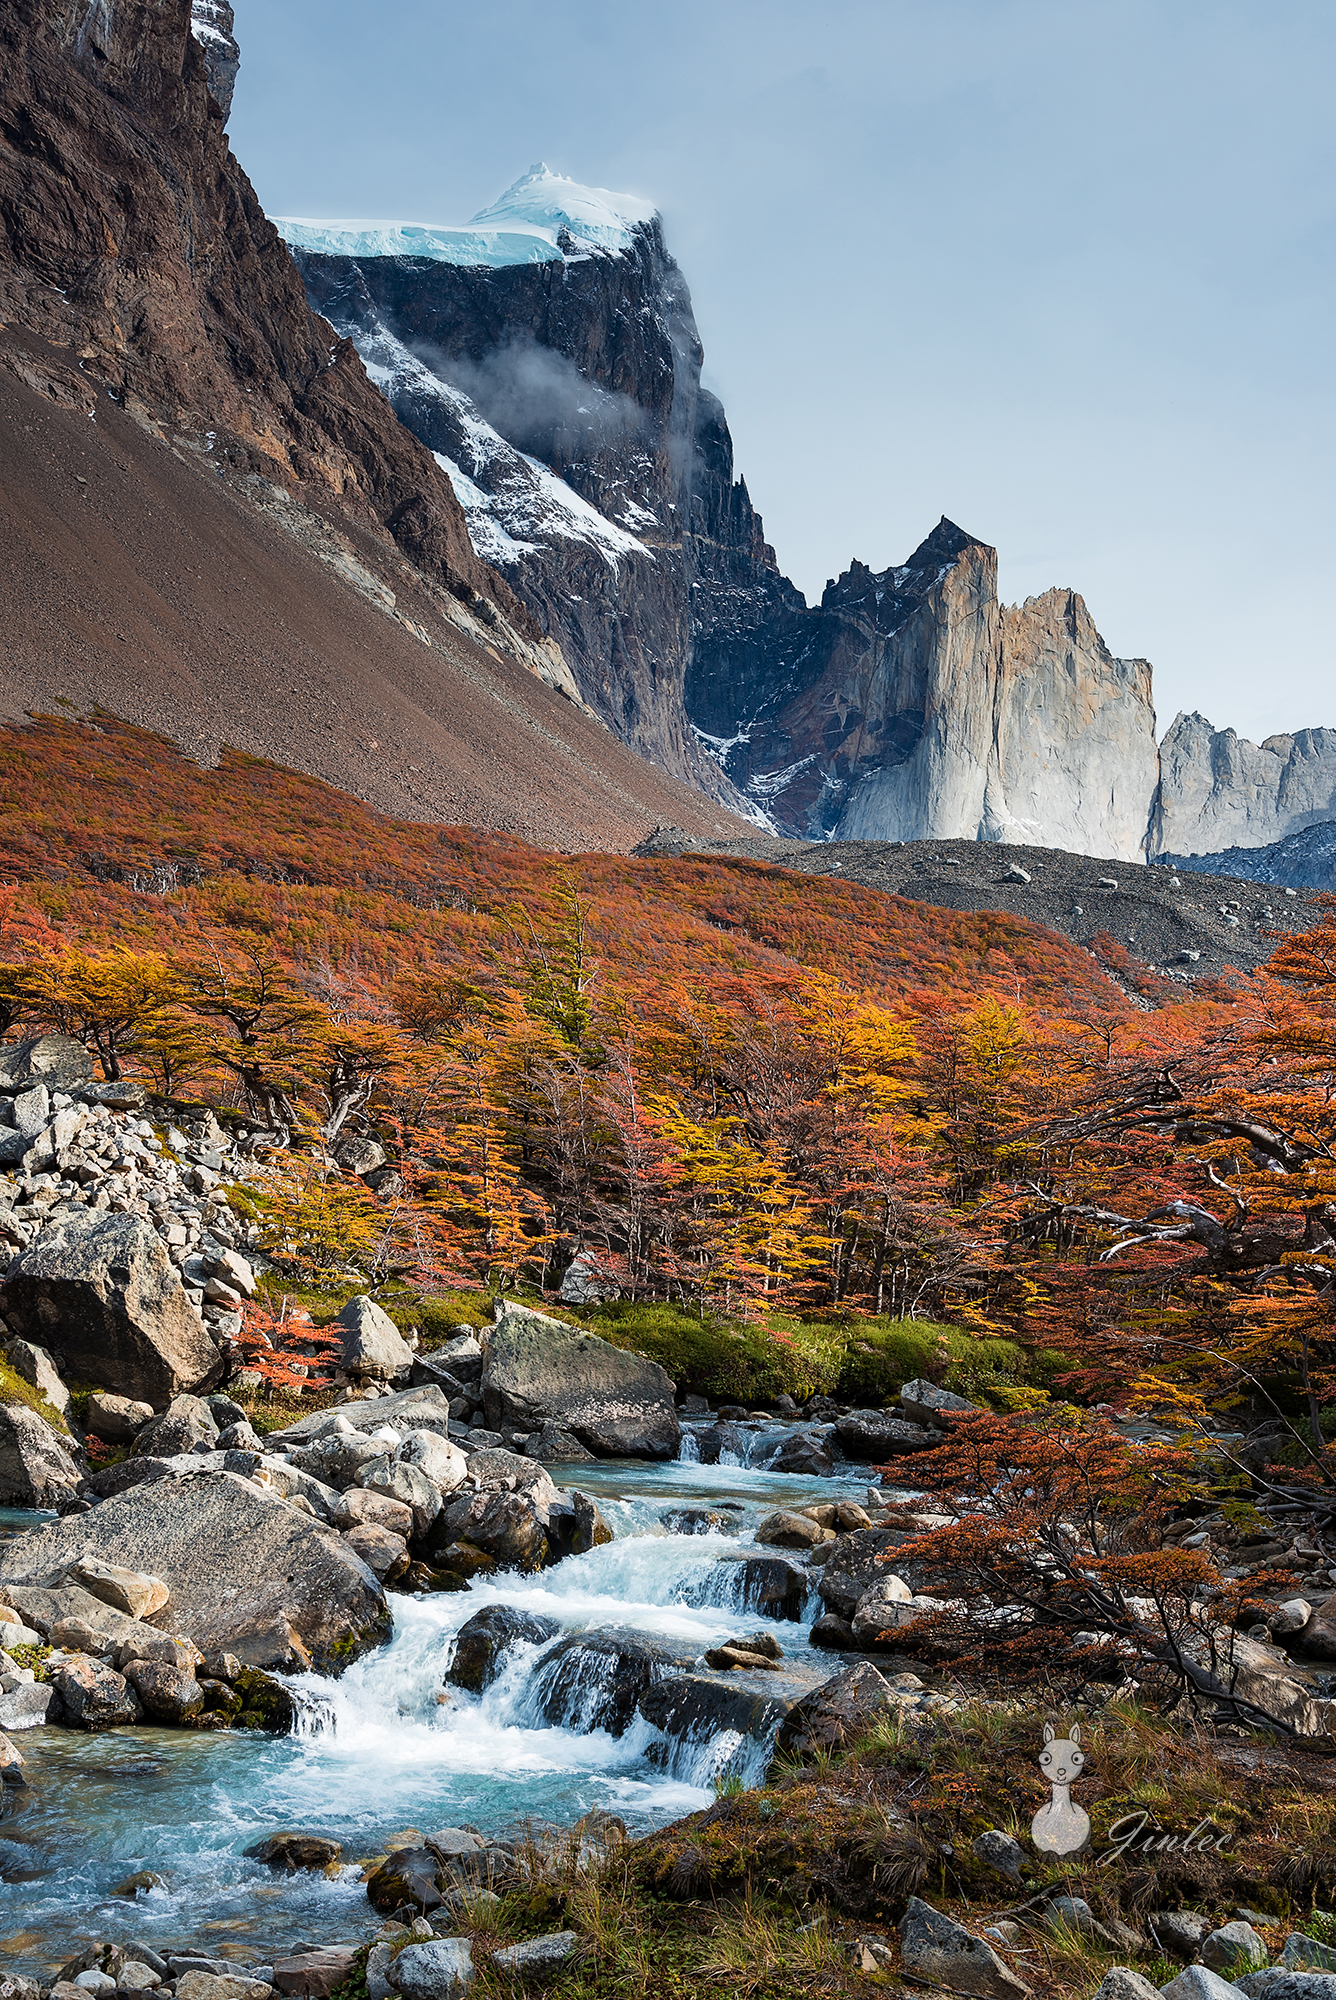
[390, 1746]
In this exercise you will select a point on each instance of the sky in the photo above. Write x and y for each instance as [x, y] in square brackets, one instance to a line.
[1061, 271]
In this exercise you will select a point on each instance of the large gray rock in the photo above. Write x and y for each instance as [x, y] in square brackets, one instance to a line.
[116, 1419]
[694, 1708]
[408, 1484]
[37, 1468]
[186, 1422]
[101, 1294]
[1304, 1954]
[1198, 1982]
[485, 1639]
[924, 1403]
[1233, 1949]
[1122, 1982]
[538, 1955]
[35, 1366]
[95, 1697]
[540, 1372]
[373, 1349]
[594, 1680]
[54, 1060]
[853, 1567]
[872, 1436]
[29, 1708]
[248, 1574]
[835, 1713]
[408, 1409]
[939, 1951]
[1276, 1984]
[439, 1971]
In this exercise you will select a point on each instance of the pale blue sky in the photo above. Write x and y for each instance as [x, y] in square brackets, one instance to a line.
[1061, 271]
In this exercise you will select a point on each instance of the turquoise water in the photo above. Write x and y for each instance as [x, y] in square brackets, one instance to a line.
[377, 1752]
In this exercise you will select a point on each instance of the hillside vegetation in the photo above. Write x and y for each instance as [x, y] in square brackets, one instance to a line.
[754, 1098]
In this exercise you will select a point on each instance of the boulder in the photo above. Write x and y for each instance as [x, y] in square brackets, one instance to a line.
[485, 1639]
[168, 1695]
[199, 1985]
[100, 1292]
[95, 1697]
[554, 1446]
[439, 1971]
[29, 1708]
[938, 1951]
[538, 1955]
[1233, 1949]
[722, 1444]
[853, 1567]
[337, 1458]
[1305, 1954]
[509, 1529]
[1275, 1984]
[116, 1419]
[57, 1061]
[35, 1366]
[1319, 1632]
[886, 1604]
[37, 1467]
[424, 1408]
[407, 1484]
[357, 1505]
[127, 1590]
[588, 1281]
[693, 1708]
[1200, 1983]
[803, 1454]
[186, 1422]
[1178, 1933]
[443, 1462]
[872, 1436]
[833, 1634]
[11, 1773]
[1121, 1982]
[315, 1973]
[360, 1155]
[383, 1552]
[841, 1709]
[246, 1571]
[924, 1403]
[408, 1875]
[1004, 1855]
[589, 1530]
[539, 1371]
[295, 1851]
[373, 1349]
[594, 1680]
[770, 1584]
[789, 1531]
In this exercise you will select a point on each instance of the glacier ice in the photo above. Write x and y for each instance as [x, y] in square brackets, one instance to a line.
[542, 218]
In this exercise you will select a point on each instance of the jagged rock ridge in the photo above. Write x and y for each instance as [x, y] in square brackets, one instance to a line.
[1218, 791]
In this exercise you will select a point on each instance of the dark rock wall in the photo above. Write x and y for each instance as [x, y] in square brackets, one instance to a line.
[129, 234]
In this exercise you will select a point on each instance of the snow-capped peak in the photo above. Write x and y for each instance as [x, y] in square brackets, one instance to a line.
[549, 203]
[543, 218]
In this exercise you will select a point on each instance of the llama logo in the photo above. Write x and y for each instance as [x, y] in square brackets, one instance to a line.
[1060, 1827]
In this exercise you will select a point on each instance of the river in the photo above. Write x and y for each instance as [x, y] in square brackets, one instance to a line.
[377, 1752]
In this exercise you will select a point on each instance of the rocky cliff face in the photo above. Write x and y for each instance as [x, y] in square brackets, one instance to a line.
[212, 23]
[914, 707]
[1218, 791]
[129, 235]
[547, 353]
